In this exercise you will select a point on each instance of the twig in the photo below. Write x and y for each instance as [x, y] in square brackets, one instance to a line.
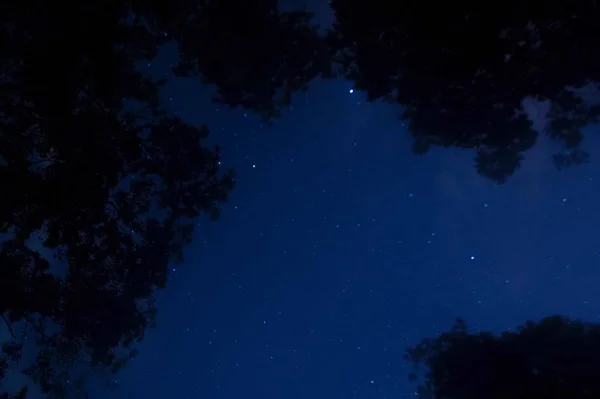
[37, 328]
[12, 333]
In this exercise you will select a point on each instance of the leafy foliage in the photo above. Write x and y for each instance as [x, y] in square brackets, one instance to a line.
[554, 358]
[462, 70]
[101, 186]
[460, 74]
[258, 55]
[111, 190]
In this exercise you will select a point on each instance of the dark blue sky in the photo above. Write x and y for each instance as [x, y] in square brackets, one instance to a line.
[339, 248]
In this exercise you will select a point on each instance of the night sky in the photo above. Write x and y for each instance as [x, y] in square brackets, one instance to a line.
[339, 248]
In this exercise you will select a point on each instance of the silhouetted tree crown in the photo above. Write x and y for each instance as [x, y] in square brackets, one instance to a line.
[460, 70]
[459, 73]
[101, 186]
[258, 57]
[553, 358]
[111, 191]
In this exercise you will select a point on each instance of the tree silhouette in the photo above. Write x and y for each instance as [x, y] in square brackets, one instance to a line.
[100, 188]
[553, 358]
[259, 56]
[460, 73]
[462, 69]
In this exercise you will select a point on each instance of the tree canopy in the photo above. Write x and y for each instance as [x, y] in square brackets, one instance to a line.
[459, 74]
[554, 358]
[101, 185]
[95, 174]
[258, 57]
[461, 70]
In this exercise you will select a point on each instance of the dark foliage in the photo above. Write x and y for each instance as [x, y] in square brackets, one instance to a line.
[554, 358]
[99, 197]
[110, 190]
[461, 70]
[258, 56]
[460, 73]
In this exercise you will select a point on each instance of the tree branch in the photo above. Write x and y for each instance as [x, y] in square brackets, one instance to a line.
[10, 329]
